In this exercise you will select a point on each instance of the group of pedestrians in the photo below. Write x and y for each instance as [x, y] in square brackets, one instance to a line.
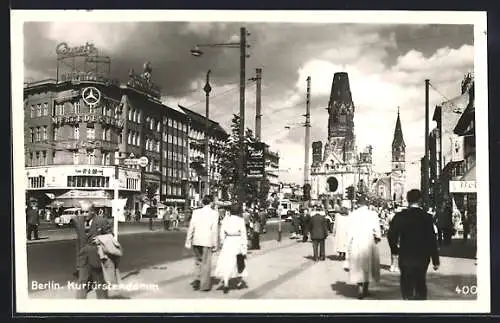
[357, 234]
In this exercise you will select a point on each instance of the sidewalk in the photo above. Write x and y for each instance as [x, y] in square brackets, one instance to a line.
[129, 228]
[285, 271]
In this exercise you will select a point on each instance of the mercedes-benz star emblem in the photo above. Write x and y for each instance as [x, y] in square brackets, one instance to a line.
[91, 95]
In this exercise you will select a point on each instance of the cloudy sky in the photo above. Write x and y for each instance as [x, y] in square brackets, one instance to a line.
[387, 66]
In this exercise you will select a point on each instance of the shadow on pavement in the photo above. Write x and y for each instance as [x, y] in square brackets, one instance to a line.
[334, 258]
[440, 287]
[458, 249]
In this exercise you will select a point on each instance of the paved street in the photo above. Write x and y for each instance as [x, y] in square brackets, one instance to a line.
[53, 260]
[279, 271]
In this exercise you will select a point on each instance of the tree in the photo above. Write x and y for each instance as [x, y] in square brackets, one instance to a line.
[230, 182]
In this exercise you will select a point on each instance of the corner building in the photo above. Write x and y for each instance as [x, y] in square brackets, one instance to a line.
[79, 129]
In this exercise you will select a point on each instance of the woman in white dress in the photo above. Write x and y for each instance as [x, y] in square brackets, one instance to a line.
[363, 258]
[341, 232]
[233, 237]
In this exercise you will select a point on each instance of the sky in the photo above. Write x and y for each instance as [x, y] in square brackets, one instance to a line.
[387, 65]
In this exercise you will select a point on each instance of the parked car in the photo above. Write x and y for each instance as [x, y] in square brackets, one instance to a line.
[67, 216]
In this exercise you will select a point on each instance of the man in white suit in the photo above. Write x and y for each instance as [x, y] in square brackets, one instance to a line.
[202, 238]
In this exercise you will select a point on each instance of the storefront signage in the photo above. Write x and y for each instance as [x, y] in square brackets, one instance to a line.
[91, 96]
[89, 171]
[463, 187]
[82, 194]
[87, 118]
[255, 160]
[63, 50]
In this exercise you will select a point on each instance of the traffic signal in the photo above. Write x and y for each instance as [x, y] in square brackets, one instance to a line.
[349, 192]
[307, 192]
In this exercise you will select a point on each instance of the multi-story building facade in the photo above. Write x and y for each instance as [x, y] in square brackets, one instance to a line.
[445, 146]
[197, 167]
[81, 127]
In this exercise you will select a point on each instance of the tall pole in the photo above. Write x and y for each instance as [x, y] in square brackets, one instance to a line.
[426, 156]
[258, 115]
[207, 90]
[241, 161]
[115, 203]
[307, 125]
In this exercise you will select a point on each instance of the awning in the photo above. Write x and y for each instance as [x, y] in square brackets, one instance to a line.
[74, 202]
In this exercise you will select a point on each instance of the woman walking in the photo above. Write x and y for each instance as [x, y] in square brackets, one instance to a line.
[363, 259]
[233, 237]
[341, 232]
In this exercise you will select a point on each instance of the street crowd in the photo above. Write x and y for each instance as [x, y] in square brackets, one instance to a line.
[231, 230]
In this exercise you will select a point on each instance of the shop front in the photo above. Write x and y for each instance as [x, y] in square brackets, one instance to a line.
[68, 185]
[464, 192]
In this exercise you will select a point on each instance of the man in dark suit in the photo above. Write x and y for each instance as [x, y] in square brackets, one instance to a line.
[88, 265]
[32, 219]
[319, 232]
[411, 236]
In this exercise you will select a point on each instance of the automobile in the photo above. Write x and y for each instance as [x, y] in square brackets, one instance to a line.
[67, 216]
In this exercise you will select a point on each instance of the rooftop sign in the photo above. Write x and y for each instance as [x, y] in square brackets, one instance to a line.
[63, 50]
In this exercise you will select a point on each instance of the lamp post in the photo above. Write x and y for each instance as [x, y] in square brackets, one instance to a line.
[207, 90]
[242, 45]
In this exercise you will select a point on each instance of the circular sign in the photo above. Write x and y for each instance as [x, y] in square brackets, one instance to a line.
[143, 161]
[91, 95]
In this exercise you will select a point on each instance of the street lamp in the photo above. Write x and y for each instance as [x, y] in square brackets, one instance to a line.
[242, 45]
[207, 90]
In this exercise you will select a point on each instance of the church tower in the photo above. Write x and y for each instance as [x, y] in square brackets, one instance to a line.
[341, 119]
[398, 173]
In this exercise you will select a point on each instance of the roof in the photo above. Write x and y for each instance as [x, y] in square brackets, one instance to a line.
[465, 118]
[196, 117]
[398, 140]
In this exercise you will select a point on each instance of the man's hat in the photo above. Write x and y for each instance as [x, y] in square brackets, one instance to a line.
[33, 199]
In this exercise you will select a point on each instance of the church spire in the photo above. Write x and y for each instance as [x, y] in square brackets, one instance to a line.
[398, 140]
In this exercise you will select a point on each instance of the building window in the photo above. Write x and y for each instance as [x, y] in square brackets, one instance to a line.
[106, 159]
[87, 181]
[44, 158]
[76, 107]
[90, 133]
[76, 132]
[120, 137]
[32, 112]
[158, 126]
[91, 157]
[38, 110]
[44, 134]
[76, 158]
[130, 115]
[158, 146]
[36, 182]
[129, 138]
[32, 135]
[152, 124]
[37, 160]
[45, 109]
[169, 122]
[38, 134]
[55, 134]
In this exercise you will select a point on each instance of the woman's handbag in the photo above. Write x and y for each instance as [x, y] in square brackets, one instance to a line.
[240, 262]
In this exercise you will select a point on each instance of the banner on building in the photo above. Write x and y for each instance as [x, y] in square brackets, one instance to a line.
[255, 161]
[457, 148]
